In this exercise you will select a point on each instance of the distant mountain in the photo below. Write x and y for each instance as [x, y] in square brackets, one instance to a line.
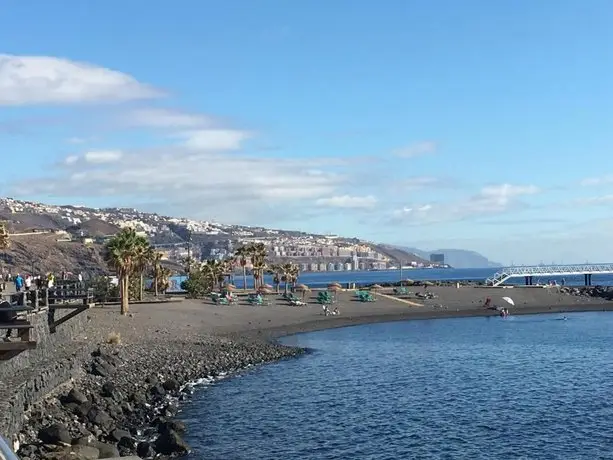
[457, 258]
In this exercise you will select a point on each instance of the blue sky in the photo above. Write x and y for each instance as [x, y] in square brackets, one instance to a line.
[478, 125]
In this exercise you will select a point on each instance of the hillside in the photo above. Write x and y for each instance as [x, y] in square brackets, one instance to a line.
[404, 257]
[175, 235]
[458, 258]
[43, 253]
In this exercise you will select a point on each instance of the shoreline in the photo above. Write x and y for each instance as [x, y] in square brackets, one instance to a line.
[278, 332]
[126, 399]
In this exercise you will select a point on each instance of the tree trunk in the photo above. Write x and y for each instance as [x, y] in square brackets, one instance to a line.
[155, 282]
[244, 278]
[141, 292]
[124, 285]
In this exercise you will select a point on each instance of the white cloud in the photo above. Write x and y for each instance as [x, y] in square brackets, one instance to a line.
[489, 200]
[166, 118]
[595, 181]
[231, 187]
[214, 140]
[72, 159]
[102, 156]
[349, 202]
[30, 80]
[418, 149]
[596, 200]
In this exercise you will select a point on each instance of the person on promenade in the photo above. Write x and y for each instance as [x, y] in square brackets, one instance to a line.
[7, 317]
[18, 283]
[28, 282]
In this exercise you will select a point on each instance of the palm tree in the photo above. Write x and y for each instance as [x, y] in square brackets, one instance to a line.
[258, 274]
[242, 254]
[5, 242]
[258, 258]
[164, 279]
[214, 271]
[188, 263]
[125, 252]
[289, 274]
[156, 264]
[275, 271]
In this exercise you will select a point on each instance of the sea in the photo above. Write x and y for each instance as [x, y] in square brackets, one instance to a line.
[525, 387]
[364, 278]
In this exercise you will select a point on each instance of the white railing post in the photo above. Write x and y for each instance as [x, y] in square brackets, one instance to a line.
[6, 453]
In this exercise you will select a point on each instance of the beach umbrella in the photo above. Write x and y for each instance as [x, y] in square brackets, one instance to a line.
[509, 300]
[409, 282]
[335, 284]
[375, 288]
[304, 288]
[265, 291]
[267, 286]
[230, 287]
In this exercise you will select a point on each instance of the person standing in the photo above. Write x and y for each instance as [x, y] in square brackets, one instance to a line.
[18, 283]
[28, 282]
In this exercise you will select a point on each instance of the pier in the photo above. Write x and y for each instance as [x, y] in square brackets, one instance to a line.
[529, 272]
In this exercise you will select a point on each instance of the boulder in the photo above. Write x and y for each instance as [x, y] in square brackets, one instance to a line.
[75, 396]
[117, 434]
[56, 434]
[109, 390]
[171, 425]
[106, 450]
[157, 390]
[170, 442]
[171, 385]
[145, 450]
[100, 418]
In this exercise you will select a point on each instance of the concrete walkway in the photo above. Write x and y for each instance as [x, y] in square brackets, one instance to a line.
[397, 299]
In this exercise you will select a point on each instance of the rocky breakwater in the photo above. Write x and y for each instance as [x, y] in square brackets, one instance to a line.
[600, 292]
[126, 402]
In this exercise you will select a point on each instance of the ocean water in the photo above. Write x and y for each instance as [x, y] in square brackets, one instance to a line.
[321, 279]
[529, 387]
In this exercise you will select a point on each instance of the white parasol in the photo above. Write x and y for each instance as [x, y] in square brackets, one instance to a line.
[508, 300]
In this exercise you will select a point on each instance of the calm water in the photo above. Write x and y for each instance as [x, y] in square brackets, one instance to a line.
[321, 279]
[530, 387]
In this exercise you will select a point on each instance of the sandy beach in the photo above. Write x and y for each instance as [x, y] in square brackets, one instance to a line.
[202, 316]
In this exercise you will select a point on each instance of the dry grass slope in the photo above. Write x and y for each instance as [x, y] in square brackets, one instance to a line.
[42, 253]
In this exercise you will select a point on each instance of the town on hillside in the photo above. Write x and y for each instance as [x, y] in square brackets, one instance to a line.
[180, 238]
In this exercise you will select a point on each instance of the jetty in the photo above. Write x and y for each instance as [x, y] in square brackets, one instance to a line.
[528, 272]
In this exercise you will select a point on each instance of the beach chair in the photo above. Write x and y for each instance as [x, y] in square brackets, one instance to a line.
[401, 291]
[255, 301]
[297, 303]
[324, 297]
[365, 296]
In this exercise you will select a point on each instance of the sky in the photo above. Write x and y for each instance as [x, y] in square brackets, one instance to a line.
[428, 123]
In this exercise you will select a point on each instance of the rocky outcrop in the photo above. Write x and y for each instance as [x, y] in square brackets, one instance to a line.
[601, 292]
[125, 401]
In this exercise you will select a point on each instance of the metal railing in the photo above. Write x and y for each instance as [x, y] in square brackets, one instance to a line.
[549, 270]
[6, 453]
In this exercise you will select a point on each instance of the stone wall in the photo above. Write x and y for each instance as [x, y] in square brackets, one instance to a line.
[33, 374]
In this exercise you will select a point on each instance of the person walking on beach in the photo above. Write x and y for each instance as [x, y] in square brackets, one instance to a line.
[28, 282]
[18, 283]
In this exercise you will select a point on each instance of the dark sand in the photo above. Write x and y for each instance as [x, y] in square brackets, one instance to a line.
[194, 318]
